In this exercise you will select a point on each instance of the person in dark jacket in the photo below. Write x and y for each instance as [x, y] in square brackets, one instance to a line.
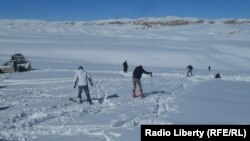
[137, 74]
[125, 66]
[217, 76]
[15, 65]
[209, 68]
[190, 69]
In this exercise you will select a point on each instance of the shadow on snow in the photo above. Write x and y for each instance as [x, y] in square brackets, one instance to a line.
[156, 92]
[1, 88]
[4, 108]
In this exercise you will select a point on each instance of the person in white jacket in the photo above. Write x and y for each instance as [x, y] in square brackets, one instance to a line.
[81, 79]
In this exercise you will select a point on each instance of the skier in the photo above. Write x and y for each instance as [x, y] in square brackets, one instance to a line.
[81, 79]
[217, 76]
[209, 68]
[125, 66]
[137, 74]
[15, 65]
[190, 69]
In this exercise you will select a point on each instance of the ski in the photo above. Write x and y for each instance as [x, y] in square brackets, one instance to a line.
[81, 101]
[138, 96]
[94, 100]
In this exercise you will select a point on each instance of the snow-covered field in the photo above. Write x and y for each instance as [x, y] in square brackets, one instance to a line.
[34, 105]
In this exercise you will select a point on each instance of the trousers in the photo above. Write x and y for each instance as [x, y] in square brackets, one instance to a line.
[86, 90]
[138, 82]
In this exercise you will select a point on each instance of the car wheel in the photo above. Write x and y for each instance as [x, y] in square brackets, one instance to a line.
[22, 69]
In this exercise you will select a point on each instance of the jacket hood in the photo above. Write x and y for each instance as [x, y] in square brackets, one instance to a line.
[80, 71]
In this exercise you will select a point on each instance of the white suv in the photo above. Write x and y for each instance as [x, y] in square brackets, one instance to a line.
[22, 64]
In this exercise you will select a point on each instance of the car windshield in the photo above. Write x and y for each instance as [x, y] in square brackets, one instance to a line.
[8, 63]
[22, 61]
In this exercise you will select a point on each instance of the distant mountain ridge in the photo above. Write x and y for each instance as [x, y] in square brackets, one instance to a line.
[147, 22]
[104, 26]
[173, 21]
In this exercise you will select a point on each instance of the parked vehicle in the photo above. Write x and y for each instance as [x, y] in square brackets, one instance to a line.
[22, 65]
[17, 63]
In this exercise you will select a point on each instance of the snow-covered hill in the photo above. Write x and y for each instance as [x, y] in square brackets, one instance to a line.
[145, 22]
[224, 46]
[80, 26]
[34, 105]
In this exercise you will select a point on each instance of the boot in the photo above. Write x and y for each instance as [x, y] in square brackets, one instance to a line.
[90, 102]
[142, 94]
[133, 94]
[80, 100]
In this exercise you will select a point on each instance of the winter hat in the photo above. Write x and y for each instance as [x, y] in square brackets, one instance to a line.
[80, 68]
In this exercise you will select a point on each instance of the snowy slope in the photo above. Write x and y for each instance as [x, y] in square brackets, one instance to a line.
[224, 46]
[34, 105]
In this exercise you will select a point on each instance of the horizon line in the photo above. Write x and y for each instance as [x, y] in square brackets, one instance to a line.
[156, 17]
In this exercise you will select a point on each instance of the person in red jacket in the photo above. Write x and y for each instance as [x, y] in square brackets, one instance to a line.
[137, 74]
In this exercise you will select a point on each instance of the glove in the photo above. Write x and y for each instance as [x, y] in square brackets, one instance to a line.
[74, 86]
[91, 84]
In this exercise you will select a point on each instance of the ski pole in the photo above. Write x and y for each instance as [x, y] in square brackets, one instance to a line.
[151, 82]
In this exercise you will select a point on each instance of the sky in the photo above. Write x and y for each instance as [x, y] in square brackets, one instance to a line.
[113, 9]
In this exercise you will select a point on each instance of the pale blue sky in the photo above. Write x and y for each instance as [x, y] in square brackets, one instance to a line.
[107, 9]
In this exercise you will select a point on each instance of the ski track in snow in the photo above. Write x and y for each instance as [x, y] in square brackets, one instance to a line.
[40, 107]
